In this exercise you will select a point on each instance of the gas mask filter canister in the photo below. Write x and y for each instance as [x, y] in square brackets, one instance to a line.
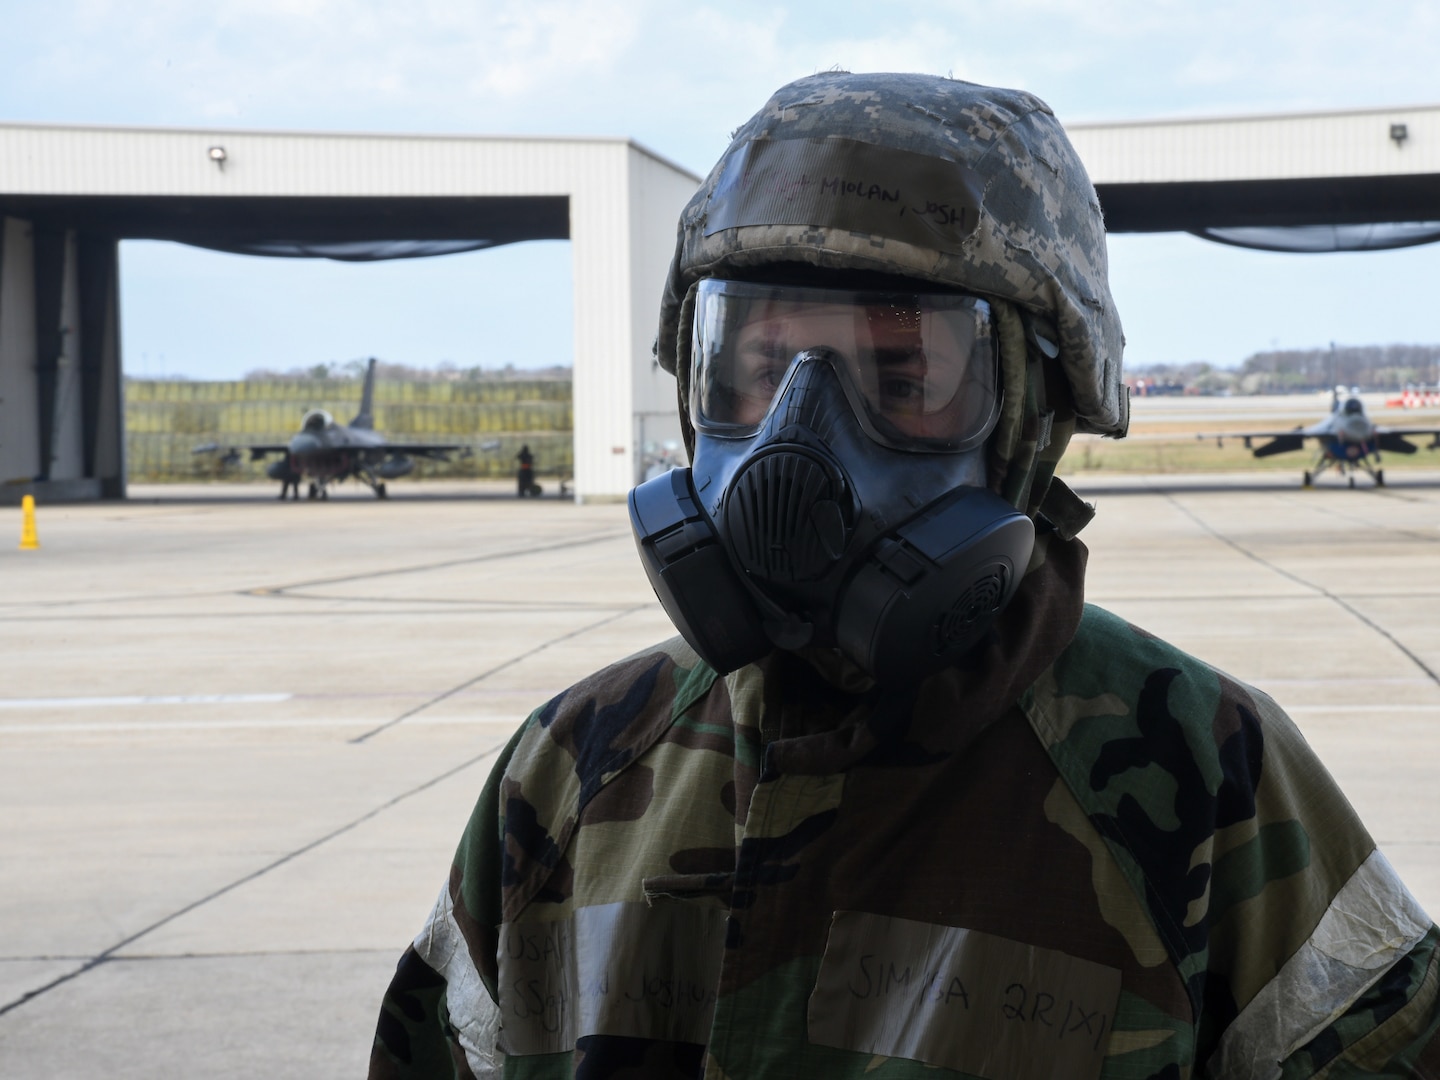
[837, 496]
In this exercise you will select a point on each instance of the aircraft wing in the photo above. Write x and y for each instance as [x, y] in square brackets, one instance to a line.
[1390, 439]
[1281, 442]
[1393, 438]
[232, 453]
[430, 450]
[1385, 429]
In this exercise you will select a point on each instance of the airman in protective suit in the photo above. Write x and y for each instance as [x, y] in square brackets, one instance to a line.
[897, 803]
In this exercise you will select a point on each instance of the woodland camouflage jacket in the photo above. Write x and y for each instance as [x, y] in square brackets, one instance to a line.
[1085, 855]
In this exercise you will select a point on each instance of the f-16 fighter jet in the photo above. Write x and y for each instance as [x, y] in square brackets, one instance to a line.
[328, 453]
[1347, 439]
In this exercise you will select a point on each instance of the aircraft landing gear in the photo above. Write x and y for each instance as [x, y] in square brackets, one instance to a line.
[314, 491]
[1307, 480]
[1379, 477]
[1352, 482]
[380, 492]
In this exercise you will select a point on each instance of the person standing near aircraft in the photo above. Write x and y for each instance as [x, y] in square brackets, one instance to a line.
[289, 478]
[525, 474]
[897, 803]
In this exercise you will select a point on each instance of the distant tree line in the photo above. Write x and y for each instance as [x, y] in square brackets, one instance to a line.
[445, 371]
[1279, 371]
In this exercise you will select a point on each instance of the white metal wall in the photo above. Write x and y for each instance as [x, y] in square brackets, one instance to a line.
[657, 195]
[70, 160]
[73, 160]
[1333, 144]
[604, 334]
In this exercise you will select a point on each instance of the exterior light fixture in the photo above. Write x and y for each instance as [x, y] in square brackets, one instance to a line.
[1399, 132]
[217, 154]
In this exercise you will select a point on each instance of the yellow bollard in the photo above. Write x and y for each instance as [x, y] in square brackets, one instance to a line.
[29, 539]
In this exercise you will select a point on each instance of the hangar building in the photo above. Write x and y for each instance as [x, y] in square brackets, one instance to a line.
[68, 194]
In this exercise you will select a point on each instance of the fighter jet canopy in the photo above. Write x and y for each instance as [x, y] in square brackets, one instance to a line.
[317, 420]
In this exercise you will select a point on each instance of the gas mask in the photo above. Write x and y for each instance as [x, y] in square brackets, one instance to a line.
[837, 494]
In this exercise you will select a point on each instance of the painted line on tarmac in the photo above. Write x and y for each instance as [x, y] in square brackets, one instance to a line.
[1362, 708]
[136, 727]
[435, 609]
[192, 954]
[1347, 680]
[1320, 589]
[145, 699]
[1101, 597]
[109, 954]
[497, 668]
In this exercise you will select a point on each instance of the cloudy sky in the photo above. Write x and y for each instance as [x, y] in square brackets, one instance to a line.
[677, 78]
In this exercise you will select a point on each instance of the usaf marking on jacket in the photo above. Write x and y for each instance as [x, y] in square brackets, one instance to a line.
[1085, 800]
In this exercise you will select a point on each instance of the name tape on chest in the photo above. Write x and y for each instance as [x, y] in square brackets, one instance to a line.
[611, 969]
[961, 999]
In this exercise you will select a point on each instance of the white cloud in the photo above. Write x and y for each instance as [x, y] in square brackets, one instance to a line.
[651, 69]
[547, 44]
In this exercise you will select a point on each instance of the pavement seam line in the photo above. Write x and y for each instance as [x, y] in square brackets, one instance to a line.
[498, 667]
[1377, 526]
[1320, 589]
[282, 590]
[102, 957]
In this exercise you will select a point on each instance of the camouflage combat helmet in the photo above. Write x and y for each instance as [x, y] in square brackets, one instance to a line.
[921, 177]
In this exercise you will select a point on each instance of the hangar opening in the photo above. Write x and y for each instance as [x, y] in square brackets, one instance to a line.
[225, 351]
[80, 306]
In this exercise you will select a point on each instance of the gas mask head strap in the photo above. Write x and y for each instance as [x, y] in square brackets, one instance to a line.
[684, 339]
[1023, 416]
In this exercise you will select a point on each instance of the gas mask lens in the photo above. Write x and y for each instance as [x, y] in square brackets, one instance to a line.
[919, 369]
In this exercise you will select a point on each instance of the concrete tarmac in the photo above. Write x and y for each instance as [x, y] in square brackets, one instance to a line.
[239, 738]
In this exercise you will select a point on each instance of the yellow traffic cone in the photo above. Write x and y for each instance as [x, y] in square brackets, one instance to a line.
[29, 539]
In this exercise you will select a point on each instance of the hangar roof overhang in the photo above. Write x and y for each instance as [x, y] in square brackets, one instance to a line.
[353, 228]
[1357, 172]
[340, 195]
[1371, 177]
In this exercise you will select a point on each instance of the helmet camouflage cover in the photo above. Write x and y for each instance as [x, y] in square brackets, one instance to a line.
[916, 176]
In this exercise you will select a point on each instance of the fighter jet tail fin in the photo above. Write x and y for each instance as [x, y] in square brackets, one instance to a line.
[365, 418]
